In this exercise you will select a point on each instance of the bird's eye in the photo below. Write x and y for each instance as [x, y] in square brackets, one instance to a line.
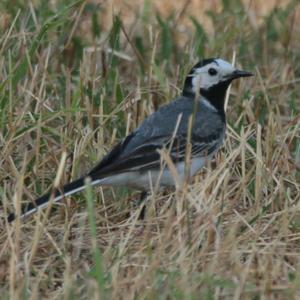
[212, 71]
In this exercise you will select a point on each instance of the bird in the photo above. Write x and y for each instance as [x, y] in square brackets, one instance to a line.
[136, 161]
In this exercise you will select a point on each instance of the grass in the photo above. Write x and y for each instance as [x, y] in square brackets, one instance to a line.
[72, 86]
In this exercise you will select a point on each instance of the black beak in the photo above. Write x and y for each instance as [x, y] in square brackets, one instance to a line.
[239, 73]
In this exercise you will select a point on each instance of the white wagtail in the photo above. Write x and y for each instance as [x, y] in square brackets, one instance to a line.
[136, 161]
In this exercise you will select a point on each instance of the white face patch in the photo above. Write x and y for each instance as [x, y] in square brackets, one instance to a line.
[203, 79]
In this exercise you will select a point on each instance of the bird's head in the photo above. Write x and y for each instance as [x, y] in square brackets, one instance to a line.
[211, 76]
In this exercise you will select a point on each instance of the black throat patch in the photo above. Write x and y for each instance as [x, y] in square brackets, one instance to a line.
[216, 95]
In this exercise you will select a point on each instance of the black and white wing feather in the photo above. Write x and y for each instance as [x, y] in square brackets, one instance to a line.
[147, 156]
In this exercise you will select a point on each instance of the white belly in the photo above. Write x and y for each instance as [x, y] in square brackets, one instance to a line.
[154, 178]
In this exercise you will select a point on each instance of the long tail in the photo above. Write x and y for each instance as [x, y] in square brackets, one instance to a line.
[67, 190]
